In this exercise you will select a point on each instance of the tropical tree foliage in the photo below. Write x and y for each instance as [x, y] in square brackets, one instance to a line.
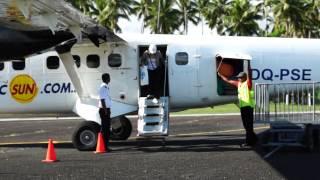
[294, 18]
[106, 12]
[202, 6]
[313, 20]
[287, 18]
[82, 5]
[163, 17]
[215, 12]
[142, 9]
[242, 19]
[188, 12]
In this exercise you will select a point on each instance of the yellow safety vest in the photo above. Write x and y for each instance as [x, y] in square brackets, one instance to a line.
[246, 96]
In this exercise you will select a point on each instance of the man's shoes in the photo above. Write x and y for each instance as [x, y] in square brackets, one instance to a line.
[247, 145]
[149, 96]
[250, 141]
[155, 101]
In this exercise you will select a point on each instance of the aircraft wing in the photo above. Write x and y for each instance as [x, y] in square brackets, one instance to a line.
[42, 24]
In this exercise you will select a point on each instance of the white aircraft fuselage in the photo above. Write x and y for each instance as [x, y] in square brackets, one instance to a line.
[59, 83]
[38, 89]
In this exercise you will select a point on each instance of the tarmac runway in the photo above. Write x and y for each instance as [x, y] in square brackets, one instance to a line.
[205, 147]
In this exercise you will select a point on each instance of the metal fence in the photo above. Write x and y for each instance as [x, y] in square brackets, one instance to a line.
[287, 103]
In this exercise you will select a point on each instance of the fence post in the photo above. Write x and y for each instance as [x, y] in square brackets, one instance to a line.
[313, 101]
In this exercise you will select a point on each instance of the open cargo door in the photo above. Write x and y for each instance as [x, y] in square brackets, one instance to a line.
[230, 65]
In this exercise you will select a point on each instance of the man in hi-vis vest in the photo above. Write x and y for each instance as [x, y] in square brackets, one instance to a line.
[246, 104]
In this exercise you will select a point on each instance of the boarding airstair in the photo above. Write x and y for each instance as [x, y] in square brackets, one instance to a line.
[153, 116]
[153, 113]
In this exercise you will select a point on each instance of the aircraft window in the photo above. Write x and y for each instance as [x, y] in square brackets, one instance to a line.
[182, 58]
[18, 65]
[1, 66]
[93, 61]
[53, 62]
[77, 60]
[114, 60]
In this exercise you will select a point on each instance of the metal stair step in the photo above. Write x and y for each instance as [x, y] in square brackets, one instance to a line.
[152, 115]
[153, 106]
[152, 123]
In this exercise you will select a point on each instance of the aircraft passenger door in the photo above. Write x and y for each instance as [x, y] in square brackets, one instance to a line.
[182, 73]
[204, 74]
[122, 66]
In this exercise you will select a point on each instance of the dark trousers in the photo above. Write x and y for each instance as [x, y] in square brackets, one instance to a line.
[154, 87]
[105, 124]
[247, 121]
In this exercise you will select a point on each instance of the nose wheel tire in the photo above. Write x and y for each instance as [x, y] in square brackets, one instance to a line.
[87, 137]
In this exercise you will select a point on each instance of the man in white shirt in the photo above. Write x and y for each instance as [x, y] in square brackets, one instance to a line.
[104, 108]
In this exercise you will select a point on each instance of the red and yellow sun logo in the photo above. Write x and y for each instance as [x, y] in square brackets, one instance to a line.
[23, 88]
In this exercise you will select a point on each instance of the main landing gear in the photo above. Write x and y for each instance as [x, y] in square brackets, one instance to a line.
[85, 136]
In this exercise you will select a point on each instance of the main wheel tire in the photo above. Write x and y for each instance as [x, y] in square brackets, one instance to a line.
[85, 136]
[120, 128]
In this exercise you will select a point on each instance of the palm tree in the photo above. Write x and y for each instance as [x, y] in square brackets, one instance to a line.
[215, 14]
[202, 9]
[108, 12]
[313, 20]
[163, 17]
[82, 5]
[142, 9]
[265, 11]
[242, 19]
[188, 9]
[289, 16]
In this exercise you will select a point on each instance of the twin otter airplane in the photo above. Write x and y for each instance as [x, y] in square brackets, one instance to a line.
[52, 58]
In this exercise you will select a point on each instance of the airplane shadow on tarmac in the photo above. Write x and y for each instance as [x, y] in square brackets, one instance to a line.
[295, 164]
[290, 163]
[209, 143]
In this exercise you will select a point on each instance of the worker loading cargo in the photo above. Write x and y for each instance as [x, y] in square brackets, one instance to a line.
[246, 99]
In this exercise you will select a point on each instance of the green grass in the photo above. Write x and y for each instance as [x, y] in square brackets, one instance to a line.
[232, 108]
[228, 108]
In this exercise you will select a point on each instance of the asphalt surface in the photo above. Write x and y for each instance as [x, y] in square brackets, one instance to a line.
[198, 148]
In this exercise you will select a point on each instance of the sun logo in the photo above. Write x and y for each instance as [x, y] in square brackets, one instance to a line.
[23, 88]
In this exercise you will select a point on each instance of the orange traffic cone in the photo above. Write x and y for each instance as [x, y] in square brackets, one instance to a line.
[100, 144]
[51, 154]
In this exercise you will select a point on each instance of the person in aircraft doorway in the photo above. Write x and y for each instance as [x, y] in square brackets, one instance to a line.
[246, 104]
[104, 108]
[152, 58]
